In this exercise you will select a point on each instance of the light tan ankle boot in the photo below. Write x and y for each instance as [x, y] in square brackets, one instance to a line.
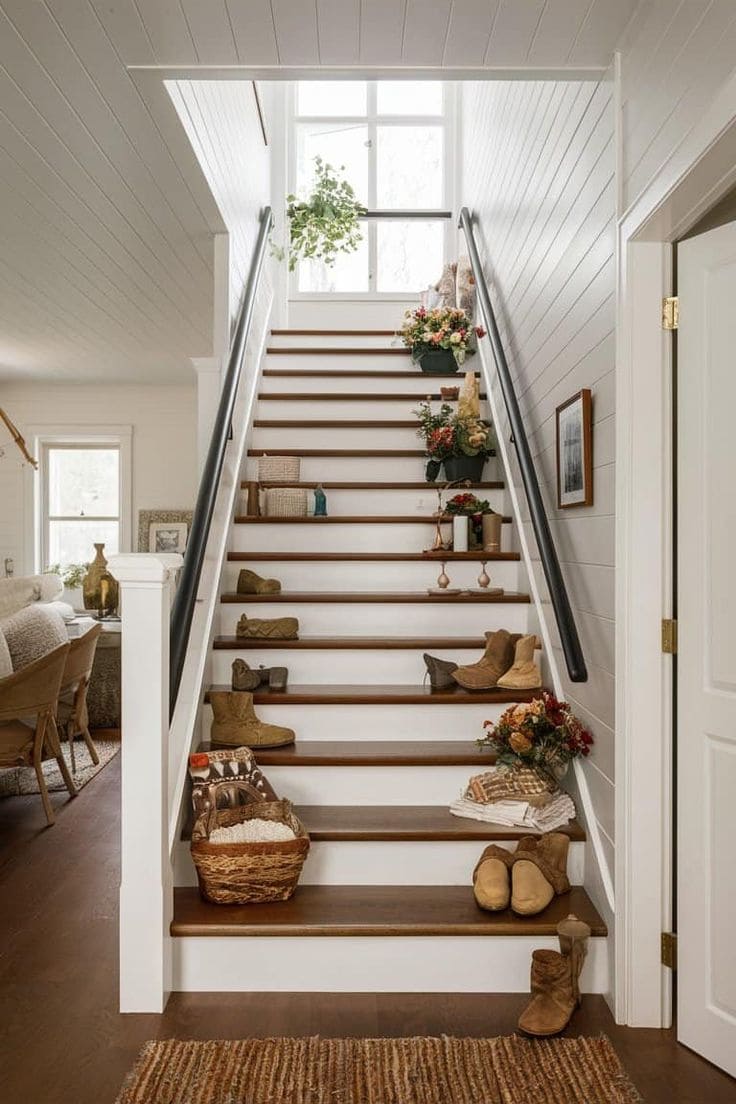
[251, 583]
[539, 872]
[573, 935]
[524, 673]
[496, 659]
[553, 1000]
[235, 722]
[271, 628]
[491, 882]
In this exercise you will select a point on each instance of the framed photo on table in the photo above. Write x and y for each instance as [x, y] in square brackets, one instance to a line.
[574, 451]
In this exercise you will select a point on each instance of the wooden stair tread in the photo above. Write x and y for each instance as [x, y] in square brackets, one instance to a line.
[327, 423]
[368, 597]
[374, 911]
[333, 333]
[362, 373]
[336, 350]
[346, 396]
[370, 557]
[375, 453]
[374, 753]
[403, 823]
[383, 694]
[381, 643]
[349, 519]
[416, 485]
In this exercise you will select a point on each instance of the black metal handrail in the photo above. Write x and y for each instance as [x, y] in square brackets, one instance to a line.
[548, 553]
[182, 610]
[414, 213]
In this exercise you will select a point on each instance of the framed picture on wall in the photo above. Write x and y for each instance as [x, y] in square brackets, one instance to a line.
[163, 530]
[574, 448]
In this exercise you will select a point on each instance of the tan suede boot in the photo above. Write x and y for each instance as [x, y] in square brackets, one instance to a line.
[491, 882]
[496, 659]
[573, 935]
[271, 628]
[539, 872]
[251, 583]
[524, 673]
[235, 722]
[553, 1000]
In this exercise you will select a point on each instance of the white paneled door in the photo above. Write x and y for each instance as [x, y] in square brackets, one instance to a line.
[706, 896]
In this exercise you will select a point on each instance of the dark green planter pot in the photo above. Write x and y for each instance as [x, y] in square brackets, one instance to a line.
[464, 467]
[438, 362]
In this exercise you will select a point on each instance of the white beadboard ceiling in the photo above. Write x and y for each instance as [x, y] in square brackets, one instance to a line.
[106, 220]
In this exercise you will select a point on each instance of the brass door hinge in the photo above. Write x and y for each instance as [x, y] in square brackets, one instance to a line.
[669, 636]
[670, 312]
[669, 950]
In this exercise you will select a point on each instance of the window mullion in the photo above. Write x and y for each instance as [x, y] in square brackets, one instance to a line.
[372, 186]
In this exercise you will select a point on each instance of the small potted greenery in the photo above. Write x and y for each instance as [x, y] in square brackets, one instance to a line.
[439, 339]
[326, 223]
[72, 576]
[456, 441]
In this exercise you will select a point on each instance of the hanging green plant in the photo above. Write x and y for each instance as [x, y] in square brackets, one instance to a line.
[324, 225]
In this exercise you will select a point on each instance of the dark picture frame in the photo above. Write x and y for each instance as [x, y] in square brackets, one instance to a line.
[574, 451]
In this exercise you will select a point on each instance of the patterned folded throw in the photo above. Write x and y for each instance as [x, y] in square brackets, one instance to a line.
[234, 772]
[511, 784]
[519, 814]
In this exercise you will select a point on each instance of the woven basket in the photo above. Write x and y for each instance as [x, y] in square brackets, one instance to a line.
[286, 502]
[279, 469]
[245, 873]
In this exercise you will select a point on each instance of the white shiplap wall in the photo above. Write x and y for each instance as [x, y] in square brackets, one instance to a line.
[538, 173]
[164, 455]
[674, 58]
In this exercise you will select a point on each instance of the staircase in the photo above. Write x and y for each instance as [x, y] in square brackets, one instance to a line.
[385, 902]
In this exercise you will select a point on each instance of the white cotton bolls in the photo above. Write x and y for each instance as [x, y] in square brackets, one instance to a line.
[253, 831]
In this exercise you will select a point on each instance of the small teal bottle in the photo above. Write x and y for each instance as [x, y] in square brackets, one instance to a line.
[320, 501]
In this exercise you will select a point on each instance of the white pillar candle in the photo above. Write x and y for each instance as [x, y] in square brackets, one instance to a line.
[460, 533]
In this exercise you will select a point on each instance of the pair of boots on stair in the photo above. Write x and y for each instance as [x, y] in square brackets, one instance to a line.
[527, 878]
[507, 663]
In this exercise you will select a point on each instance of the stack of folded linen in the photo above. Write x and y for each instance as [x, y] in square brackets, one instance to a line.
[516, 797]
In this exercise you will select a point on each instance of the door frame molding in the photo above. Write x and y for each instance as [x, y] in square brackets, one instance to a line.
[698, 173]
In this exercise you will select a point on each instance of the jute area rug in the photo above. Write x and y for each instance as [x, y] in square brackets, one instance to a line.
[16, 781]
[508, 1070]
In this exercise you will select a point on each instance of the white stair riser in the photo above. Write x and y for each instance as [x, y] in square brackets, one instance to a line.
[379, 619]
[335, 536]
[336, 575]
[323, 341]
[379, 409]
[301, 436]
[386, 502]
[368, 469]
[364, 362]
[395, 863]
[354, 964]
[378, 722]
[374, 785]
[366, 666]
[417, 384]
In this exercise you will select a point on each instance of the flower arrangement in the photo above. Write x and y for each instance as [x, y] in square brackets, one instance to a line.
[325, 224]
[448, 434]
[441, 328]
[543, 734]
[467, 503]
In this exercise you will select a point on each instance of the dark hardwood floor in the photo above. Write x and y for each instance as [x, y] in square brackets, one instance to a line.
[63, 1042]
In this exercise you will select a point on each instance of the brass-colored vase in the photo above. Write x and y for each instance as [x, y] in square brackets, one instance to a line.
[492, 532]
[99, 589]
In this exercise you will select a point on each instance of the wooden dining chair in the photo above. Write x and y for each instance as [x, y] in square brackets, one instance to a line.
[34, 692]
[72, 717]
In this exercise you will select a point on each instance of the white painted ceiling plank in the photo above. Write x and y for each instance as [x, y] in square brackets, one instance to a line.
[599, 34]
[167, 31]
[338, 25]
[124, 26]
[425, 31]
[513, 31]
[381, 31]
[471, 23]
[556, 32]
[296, 31]
[253, 27]
[209, 26]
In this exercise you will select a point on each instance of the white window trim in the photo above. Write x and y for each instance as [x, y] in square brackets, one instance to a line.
[448, 119]
[42, 436]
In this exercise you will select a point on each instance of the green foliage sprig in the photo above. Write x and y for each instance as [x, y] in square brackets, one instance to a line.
[72, 576]
[324, 225]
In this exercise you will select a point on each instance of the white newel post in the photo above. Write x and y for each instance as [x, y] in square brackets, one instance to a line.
[146, 887]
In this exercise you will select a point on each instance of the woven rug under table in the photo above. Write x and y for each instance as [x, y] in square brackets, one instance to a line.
[16, 781]
[506, 1070]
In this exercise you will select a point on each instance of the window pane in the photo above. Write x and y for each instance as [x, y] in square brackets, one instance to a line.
[73, 541]
[342, 145]
[410, 255]
[410, 166]
[84, 481]
[331, 98]
[409, 97]
[349, 273]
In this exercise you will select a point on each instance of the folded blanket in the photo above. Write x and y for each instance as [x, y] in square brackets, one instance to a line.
[519, 814]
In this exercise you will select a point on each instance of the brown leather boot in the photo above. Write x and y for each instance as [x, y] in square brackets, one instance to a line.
[491, 882]
[573, 935]
[251, 583]
[235, 723]
[244, 677]
[523, 674]
[539, 872]
[496, 659]
[553, 999]
[271, 628]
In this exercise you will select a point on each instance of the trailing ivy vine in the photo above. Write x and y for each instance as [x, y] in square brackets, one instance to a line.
[324, 225]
